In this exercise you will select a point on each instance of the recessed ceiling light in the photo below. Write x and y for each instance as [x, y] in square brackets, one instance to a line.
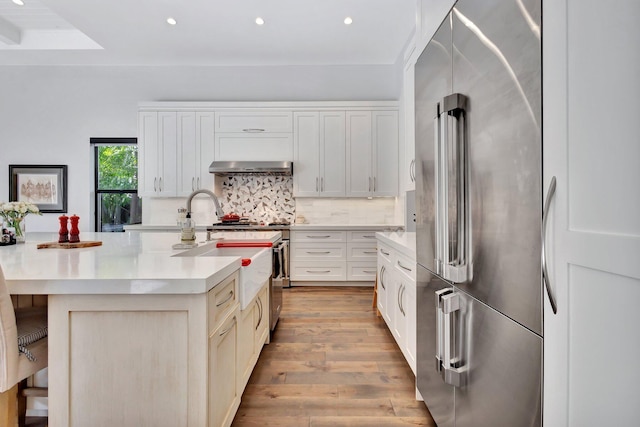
[259, 21]
[348, 20]
[171, 21]
[18, 2]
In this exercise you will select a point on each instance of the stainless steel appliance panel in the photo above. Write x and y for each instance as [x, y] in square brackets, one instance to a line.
[438, 395]
[501, 364]
[277, 282]
[496, 63]
[432, 83]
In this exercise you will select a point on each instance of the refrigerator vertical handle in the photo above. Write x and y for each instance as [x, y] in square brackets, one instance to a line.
[456, 266]
[439, 328]
[437, 180]
[451, 372]
[545, 216]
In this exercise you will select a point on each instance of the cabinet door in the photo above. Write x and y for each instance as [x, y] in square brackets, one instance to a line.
[409, 306]
[254, 121]
[188, 160]
[223, 392]
[205, 122]
[359, 154]
[149, 153]
[332, 154]
[261, 320]
[254, 146]
[167, 142]
[408, 162]
[245, 345]
[385, 152]
[306, 158]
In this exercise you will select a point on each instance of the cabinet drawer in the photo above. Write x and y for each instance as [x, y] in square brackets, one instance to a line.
[361, 236]
[385, 252]
[318, 236]
[405, 266]
[221, 300]
[254, 147]
[317, 271]
[254, 122]
[362, 252]
[318, 251]
[359, 271]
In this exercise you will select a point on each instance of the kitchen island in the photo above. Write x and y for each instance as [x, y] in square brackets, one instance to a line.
[137, 336]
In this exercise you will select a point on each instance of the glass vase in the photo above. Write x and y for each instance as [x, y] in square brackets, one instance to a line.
[18, 226]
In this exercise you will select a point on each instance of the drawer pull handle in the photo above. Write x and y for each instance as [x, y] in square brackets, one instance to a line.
[223, 333]
[319, 271]
[383, 251]
[368, 237]
[318, 237]
[403, 267]
[369, 271]
[318, 252]
[226, 299]
[370, 252]
[253, 130]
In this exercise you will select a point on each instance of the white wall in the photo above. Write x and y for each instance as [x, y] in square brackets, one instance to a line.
[48, 114]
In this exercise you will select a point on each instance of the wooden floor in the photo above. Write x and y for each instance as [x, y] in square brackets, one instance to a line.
[332, 362]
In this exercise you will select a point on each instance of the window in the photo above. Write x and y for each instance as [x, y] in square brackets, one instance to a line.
[116, 183]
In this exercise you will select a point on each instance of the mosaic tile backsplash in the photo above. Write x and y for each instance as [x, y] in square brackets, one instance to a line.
[261, 198]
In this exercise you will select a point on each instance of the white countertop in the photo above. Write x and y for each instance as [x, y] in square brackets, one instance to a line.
[381, 227]
[126, 263]
[403, 241]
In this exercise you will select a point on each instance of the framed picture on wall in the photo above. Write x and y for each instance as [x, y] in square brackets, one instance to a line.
[43, 185]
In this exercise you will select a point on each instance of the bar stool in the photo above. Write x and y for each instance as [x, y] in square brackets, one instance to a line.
[23, 352]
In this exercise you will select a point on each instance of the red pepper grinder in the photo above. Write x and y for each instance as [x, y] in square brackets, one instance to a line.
[74, 233]
[64, 232]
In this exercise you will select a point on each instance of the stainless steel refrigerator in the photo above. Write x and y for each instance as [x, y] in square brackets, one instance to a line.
[479, 210]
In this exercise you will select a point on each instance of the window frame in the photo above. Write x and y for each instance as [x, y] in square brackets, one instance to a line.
[95, 143]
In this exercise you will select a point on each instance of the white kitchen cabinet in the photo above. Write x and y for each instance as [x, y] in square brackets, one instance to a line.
[397, 298]
[408, 162]
[319, 154]
[253, 332]
[157, 147]
[333, 255]
[255, 121]
[195, 151]
[372, 153]
[254, 135]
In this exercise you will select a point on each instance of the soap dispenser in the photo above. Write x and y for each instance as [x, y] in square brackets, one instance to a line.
[188, 229]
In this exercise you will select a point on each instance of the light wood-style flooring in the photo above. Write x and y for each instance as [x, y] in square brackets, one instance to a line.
[331, 362]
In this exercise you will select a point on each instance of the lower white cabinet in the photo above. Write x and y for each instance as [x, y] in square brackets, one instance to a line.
[224, 394]
[253, 333]
[333, 255]
[397, 298]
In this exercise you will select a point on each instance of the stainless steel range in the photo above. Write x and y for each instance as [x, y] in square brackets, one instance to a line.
[280, 271]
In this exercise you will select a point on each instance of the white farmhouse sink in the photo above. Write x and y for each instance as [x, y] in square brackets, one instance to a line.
[252, 276]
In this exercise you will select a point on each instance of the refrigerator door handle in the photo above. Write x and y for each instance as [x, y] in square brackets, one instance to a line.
[545, 272]
[439, 328]
[452, 372]
[437, 179]
[454, 155]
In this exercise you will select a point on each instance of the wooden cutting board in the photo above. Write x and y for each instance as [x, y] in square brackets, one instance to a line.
[67, 245]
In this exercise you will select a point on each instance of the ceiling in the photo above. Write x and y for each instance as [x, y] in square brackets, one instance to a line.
[208, 32]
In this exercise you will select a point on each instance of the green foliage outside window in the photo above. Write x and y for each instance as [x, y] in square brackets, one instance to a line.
[117, 170]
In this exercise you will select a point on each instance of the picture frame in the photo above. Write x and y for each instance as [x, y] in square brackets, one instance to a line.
[43, 185]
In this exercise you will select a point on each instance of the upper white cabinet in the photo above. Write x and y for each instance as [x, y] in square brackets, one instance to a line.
[176, 149]
[254, 135]
[408, 161]
[195, 151]
[319, 154]
[157, 141]
[254, 121]
[372, 153]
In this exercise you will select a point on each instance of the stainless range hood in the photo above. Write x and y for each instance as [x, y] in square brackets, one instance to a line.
[264, 168]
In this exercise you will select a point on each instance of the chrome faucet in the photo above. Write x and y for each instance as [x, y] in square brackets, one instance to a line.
[219, 212]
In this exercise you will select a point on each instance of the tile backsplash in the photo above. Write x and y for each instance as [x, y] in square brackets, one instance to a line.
[261, 198]
[268, 198]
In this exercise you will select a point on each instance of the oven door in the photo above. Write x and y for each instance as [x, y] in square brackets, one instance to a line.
[277, 282]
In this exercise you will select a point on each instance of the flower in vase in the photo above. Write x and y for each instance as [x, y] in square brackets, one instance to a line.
[13, 213]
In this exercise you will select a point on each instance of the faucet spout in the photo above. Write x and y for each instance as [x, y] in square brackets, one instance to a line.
[219, 212]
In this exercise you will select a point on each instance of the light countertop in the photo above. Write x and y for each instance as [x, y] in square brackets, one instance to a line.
[403, 242]
[126, 263]
[381, 227]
